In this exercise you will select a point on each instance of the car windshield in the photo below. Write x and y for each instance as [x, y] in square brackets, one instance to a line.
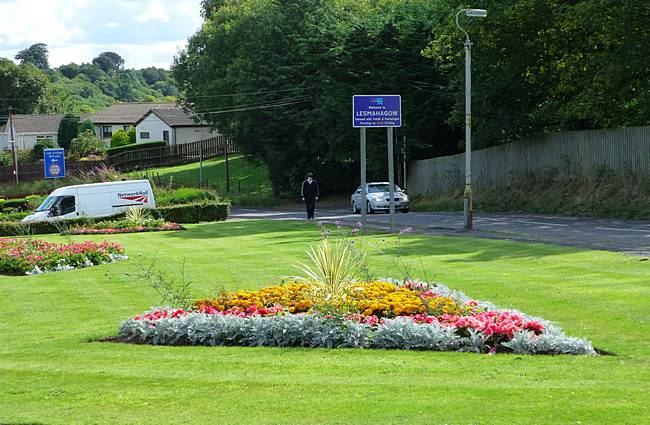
[49, 202]
[378, 188]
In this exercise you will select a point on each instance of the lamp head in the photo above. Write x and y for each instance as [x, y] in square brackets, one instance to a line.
[476, 13]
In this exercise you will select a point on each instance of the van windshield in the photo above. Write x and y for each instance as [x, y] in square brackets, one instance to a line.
[49, 202]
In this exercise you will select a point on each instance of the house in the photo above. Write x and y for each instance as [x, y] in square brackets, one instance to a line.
[175, 126]
[123, 116]
[28, 129]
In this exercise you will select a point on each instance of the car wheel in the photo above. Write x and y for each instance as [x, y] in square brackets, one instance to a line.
[354, 208]
[369, 208]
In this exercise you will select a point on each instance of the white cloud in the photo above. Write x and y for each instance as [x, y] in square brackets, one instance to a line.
[144, 32]
[155, 11]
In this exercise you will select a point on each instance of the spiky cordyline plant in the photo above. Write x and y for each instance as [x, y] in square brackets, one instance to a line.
[136, 216]
[331, 271]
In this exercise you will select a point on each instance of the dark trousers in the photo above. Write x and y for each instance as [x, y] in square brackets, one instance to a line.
[310, 204]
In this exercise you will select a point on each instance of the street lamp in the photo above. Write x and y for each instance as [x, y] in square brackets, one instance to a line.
[467, 196]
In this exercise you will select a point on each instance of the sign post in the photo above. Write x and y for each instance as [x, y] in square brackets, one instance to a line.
[377, 111]
[54, 163]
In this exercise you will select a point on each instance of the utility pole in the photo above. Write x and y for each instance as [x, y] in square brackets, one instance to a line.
[404, 161]
[10, 124]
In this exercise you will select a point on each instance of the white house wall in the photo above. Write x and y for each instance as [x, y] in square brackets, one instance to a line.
[193, 134]
[155, 127]
[24, 141]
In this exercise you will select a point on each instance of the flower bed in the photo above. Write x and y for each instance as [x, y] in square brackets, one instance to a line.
[133, 229]
[33, 256]
[380, 314]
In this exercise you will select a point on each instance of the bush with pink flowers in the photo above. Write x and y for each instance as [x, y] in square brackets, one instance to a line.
[34, 256]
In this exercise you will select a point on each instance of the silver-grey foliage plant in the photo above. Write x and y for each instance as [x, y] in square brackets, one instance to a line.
[316, 331]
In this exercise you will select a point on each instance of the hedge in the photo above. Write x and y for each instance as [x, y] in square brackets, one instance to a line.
[195, 213]
[189, 213]
[136, 146]
[20, 203]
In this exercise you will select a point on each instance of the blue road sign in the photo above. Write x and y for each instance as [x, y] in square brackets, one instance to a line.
[54, 163]
[377, 111]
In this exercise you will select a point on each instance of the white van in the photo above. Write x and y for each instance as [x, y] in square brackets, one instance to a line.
[94, 200]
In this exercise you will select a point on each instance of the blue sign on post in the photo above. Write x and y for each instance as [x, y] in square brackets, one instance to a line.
[376, 111]
[54, 163]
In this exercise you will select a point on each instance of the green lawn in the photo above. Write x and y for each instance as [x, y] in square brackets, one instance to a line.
[52, 374]
[245, 176]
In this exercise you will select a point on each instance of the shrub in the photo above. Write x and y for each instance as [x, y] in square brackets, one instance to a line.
[6, 158]
[119, 138]
[17, 203]
[42, 144]
[133, 146]
[195, 213]
[87, 143]
[183, 195]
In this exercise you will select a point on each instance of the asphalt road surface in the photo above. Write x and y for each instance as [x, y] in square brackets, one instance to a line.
[629, 236]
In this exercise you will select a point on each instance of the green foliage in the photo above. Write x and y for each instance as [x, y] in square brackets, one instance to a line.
[68, 130]
[36, 54]
[15, 203]
[41, 144]
[134, 146]
[21, 86]
[303, 62]
[109, 61]
[184, 195]
[6, 158]
[132, 135]
[120, 138]
[195, 213]
[86, 125]
[87, 143]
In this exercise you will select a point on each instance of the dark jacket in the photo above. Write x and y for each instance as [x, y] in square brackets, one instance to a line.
[309, 190]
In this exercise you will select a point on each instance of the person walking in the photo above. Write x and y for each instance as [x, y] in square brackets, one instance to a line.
[309, 194]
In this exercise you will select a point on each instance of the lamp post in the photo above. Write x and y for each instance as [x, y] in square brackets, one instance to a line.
[467, 196]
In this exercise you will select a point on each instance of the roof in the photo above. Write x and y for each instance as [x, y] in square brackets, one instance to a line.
[174, 118]
[28, 123]
[128, 113]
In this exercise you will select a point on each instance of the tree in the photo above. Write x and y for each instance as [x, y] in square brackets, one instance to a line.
[70, 70]
[21, 88]
[292, 68]
[36, 54]
[68, 130]
[86, 125]
[109, 61]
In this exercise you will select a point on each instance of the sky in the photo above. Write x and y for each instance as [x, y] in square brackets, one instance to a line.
[144, 32]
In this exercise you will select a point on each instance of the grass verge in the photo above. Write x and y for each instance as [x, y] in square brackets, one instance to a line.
[52, 374]
[615, 197]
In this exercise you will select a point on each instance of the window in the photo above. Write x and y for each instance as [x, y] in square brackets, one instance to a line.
[107, 131]
[166, 135]
[144, 134]
[126, 127]
[67, 205]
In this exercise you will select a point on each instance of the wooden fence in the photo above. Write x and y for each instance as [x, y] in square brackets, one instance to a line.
[161, 156]
[581, 154]
[36, 171]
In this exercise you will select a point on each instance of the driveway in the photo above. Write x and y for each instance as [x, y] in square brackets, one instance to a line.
[629, 236]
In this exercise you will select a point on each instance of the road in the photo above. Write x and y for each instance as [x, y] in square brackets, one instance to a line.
[629, 236]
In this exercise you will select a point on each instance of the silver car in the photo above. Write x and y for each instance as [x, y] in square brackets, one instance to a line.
[378, 198]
